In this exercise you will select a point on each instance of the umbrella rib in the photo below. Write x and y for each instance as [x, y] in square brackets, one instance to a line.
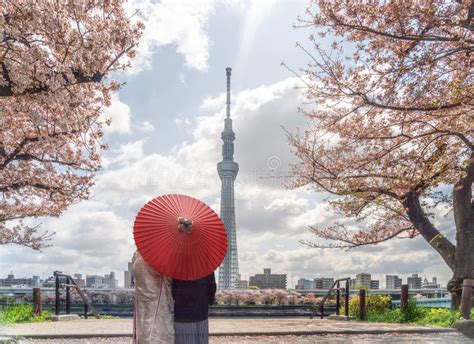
[179, 255]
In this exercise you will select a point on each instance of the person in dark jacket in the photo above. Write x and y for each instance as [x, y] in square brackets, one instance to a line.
[191, 305]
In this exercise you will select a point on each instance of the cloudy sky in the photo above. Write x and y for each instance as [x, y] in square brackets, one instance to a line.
[165, 138]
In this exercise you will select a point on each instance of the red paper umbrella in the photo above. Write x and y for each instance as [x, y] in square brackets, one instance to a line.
[180, 237]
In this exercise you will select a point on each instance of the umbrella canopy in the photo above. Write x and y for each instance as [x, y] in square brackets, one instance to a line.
[180, 237]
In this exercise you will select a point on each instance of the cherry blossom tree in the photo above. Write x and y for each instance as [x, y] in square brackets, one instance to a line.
[249, 298]
[55, 59]
[391, 130]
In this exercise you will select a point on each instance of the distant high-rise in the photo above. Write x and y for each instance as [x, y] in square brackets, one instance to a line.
[323, 282]
[267, 280]
[128, 281]
[94, 281]
[430, 285]
[374, 284]
[362, 280]
[304, 284]
[110, 281]
[79, 281]
[414, 282]
[241, 283]
[392, 282]
[228, 169]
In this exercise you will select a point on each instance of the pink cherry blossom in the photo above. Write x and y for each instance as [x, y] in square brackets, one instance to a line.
[392, 122]
[56, 58]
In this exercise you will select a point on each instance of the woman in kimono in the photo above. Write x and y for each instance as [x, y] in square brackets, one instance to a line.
[153, 321]
[191, 302]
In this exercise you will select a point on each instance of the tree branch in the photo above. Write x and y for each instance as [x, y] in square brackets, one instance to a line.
[80, 78]
[24, 142]
[423, 225]
[406, 37]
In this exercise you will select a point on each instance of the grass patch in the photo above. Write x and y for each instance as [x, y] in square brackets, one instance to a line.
[423, 316]
[21, 313]
[105, 316]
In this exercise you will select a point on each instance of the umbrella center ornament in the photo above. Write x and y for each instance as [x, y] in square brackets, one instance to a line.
[185, 225]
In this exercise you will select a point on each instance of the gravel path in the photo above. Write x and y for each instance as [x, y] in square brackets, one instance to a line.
[440, 338]
[227, 327]
[236, 331]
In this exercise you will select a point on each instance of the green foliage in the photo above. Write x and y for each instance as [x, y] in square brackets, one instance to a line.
[422, 316]
[411, 313]
[376, 304]
[5, 299]
[105, 316]
[377, 312]
[21, 313]
[439, 317]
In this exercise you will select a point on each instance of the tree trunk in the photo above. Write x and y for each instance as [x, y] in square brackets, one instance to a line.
[455, 288]
[428, 231]
[463, 207]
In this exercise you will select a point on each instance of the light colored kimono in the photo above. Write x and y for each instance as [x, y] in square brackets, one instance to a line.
[154, 306]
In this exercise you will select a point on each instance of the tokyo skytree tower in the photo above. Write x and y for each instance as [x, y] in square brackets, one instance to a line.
[228, 169]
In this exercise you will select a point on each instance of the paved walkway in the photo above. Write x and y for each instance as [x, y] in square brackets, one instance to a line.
[218, 327]
[392, 338]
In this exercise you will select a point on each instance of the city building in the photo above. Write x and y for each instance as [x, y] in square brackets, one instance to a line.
[36, 281]
[228, 169]
[50, 282]
[79, 281]
[267, 280]
[430, 285]
[304, 284]
[241, 284]
[323, 282]
[94, 281]
[128, 279]
[361, 280]
[414, 282]
[374, 284]
[393, 282]
[11, 281]
[110, 281]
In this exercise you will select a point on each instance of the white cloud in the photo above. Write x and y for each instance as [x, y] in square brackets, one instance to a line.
[145, 127]
[120, 114]
[178, 22]
[271, 219]
[122, 119]
[182, 122]
[128, 152]
[255, 13]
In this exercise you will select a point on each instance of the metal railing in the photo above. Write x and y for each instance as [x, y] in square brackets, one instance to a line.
[68, 284]
[336, 286]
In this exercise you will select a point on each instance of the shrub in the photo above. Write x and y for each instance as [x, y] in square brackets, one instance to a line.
[377, 311]
[374, 304]
[22, 313]
[411, 313]
[439, 317]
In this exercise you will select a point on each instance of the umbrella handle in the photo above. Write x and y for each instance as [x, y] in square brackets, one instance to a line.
[185, 225]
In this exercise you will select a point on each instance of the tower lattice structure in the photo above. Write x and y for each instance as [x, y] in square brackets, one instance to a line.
[228, 169]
